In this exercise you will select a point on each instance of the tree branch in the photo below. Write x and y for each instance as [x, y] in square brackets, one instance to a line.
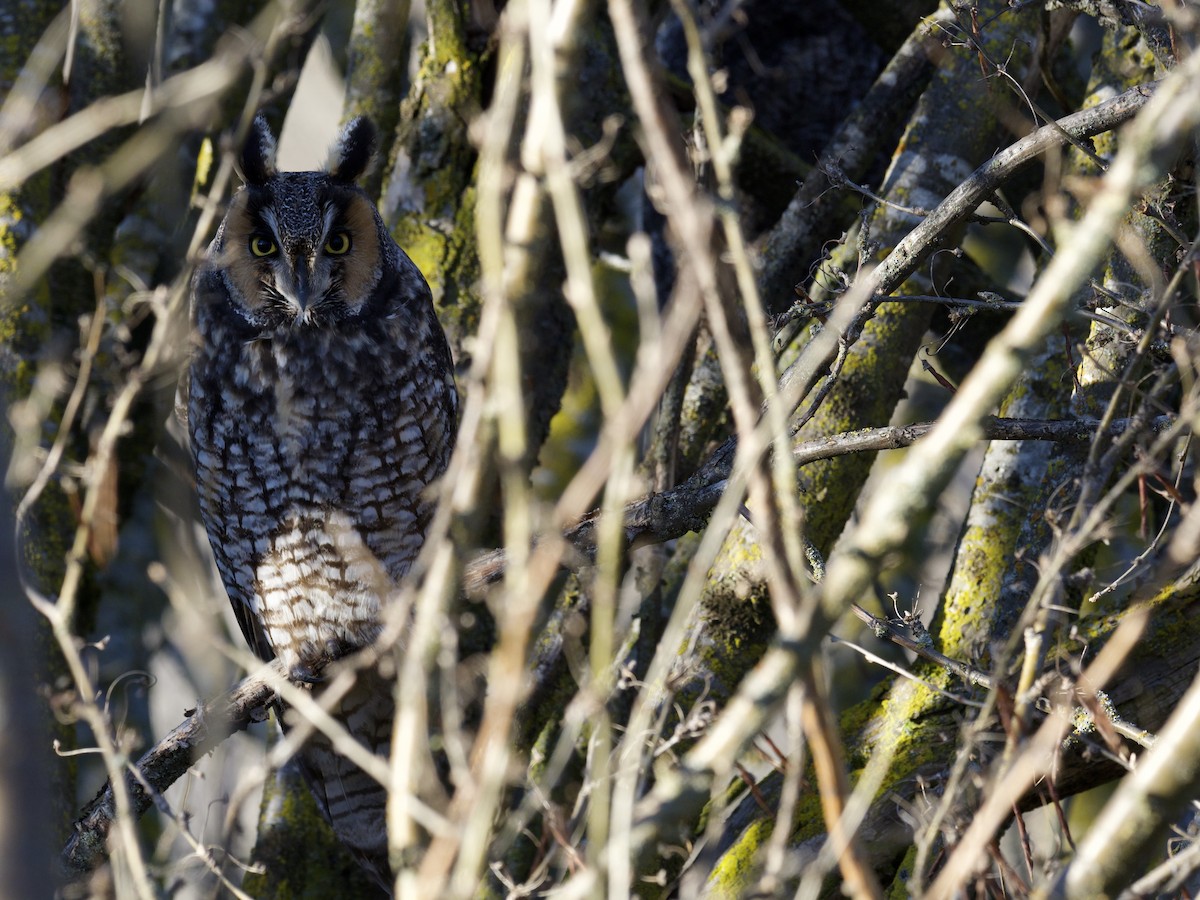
[965, 199]
[661, 517]
[204, 729]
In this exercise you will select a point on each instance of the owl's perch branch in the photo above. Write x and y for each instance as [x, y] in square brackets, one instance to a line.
[653, 519]
[205, 728]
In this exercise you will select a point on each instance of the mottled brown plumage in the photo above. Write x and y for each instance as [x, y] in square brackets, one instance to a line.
[321, 407]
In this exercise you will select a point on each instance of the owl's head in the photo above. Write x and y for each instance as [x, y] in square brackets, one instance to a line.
[303, 248]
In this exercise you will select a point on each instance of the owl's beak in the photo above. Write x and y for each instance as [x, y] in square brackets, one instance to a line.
[304, 292]
[302, 285]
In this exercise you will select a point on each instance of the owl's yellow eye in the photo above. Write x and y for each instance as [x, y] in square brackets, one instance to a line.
[338, 244]
[261, 246]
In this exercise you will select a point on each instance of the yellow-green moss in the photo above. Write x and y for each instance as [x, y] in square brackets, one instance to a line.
[436, 222]
[447, 258]
[980, 566]
[740, 864]
[11, 215]
[898, 889]
[448, 40]
[904, 718]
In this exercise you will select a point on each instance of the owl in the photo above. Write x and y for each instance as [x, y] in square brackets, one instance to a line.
[321, 407]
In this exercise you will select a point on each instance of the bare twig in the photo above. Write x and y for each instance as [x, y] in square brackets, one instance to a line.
[884, 628]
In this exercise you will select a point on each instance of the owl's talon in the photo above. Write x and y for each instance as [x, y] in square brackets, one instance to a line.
[305, 674]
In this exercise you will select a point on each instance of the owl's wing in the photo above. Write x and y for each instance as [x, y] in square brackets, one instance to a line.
[247, 621]
[252, 630]
[182, 392]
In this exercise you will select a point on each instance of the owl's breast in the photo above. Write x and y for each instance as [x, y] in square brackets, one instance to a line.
[312, 463]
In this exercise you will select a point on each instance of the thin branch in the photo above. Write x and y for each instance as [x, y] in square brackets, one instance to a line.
[961, 203]
[885, 629]
[664, 516]
[900, 670]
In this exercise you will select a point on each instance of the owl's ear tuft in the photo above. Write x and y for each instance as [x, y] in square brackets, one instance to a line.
[354, 151]
[257, 162]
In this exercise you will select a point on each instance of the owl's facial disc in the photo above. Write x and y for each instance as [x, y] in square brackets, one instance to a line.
[306, 253]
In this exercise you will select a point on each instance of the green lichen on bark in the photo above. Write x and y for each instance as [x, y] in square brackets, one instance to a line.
[902, 721]
[376, 64]
[1006, 510]
[428, 193]
[741, 865]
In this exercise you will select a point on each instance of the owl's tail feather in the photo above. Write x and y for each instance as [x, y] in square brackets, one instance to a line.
[353, 802]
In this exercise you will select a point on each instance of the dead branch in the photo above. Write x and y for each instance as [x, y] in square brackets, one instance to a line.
[204, 729]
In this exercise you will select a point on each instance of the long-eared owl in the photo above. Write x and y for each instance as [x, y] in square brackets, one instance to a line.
[321, 406]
